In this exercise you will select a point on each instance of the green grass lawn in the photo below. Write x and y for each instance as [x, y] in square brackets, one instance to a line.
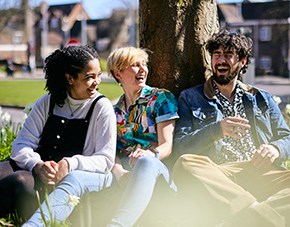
[24, 92]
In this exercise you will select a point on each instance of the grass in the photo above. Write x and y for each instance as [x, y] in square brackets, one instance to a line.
[20, 93]
[111, 90]
[24, 92]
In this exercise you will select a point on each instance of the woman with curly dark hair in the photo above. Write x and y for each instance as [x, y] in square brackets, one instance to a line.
[68, 139]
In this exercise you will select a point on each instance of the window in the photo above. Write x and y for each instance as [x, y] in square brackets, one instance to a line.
[265, 33]
[41, 23]
[266, 63]
[54, 22]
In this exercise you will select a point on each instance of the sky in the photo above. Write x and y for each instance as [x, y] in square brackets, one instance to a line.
[97, 9]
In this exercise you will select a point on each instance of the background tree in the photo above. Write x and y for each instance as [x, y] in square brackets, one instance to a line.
[176, 31]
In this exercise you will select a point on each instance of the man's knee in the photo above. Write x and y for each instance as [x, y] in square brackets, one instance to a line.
[190, 161]
[188, 167]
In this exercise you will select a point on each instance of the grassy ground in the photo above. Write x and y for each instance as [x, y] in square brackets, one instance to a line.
[24, 92]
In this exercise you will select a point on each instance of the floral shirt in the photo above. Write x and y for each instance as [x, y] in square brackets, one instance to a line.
[234, 149]
[138, 125]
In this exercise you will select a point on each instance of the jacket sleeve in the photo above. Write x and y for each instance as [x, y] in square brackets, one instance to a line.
[280, 130]
[195, 132]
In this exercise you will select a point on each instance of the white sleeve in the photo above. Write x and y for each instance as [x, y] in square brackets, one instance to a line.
[27, 140]
[100, 146]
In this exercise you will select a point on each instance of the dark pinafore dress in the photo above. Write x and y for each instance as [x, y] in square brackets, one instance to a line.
[62, 137]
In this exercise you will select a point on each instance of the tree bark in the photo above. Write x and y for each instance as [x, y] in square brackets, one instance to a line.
[176, 31]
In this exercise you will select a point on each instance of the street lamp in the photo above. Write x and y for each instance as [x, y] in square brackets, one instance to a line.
[44, 31]
[84, 39]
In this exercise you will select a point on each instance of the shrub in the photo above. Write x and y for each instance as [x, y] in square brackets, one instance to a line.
[286, 114]
[8, 133]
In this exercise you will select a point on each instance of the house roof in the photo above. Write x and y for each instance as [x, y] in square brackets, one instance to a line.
[231, 13]
[66, 9]
[70, 12]
[266, 10]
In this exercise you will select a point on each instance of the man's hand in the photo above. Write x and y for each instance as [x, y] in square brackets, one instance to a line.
[46, 171]
[234, 126]
[265, 156]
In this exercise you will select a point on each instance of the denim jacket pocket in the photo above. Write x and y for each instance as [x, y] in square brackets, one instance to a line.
[261, 115]
[263, 122]
[203, 117]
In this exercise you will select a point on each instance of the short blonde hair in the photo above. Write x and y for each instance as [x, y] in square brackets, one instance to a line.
[124, 56]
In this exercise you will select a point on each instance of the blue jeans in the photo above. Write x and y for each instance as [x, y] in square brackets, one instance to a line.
[139, 190]
[61, 204]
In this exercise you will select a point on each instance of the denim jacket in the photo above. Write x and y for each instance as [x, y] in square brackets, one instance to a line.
[198, 129]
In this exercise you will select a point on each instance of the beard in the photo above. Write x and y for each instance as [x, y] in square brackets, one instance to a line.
[225, 79]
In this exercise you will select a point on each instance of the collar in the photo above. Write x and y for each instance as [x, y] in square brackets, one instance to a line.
[143, 98]
[77, 102]
[210, 93]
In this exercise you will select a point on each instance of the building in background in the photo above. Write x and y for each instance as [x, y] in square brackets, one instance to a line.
[51, 27]
[66, 22]
[268, 24]
[55, 26]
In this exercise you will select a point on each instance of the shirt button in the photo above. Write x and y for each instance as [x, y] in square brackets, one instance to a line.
[58, 136]
[55, 147]
[63, 121]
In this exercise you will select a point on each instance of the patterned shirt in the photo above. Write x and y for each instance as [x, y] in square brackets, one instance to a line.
[235, 149]
[139, 124]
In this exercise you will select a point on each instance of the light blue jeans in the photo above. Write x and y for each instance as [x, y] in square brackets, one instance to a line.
[139, 190]
[61, 202]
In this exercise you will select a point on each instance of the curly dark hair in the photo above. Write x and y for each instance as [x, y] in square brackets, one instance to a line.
[70, 60]
[232, 41]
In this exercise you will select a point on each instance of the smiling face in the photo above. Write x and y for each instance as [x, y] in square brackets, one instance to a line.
[226, 65]
[133, 76]
[85, 85]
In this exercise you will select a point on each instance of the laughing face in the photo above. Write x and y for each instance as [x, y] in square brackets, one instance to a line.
[226, 65]
[134, 76]
[85, 85]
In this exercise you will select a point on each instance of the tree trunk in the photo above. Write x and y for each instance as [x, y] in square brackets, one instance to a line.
[176, 31]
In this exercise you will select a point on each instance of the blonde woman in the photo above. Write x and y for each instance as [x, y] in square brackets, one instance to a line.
[145, 124]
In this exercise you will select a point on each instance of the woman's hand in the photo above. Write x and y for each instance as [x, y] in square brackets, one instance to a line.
[63, 169]
[50, 172]
[138, 153]
[122, 176]
[46, 171]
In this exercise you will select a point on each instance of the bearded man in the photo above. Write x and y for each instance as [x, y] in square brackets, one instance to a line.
[233, 141]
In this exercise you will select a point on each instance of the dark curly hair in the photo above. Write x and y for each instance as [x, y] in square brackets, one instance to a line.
[232, 41]
[70, 60]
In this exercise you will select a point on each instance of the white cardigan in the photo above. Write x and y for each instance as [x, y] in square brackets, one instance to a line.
[100, 145]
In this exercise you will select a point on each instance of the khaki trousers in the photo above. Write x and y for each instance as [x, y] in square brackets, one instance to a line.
[209, 193]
